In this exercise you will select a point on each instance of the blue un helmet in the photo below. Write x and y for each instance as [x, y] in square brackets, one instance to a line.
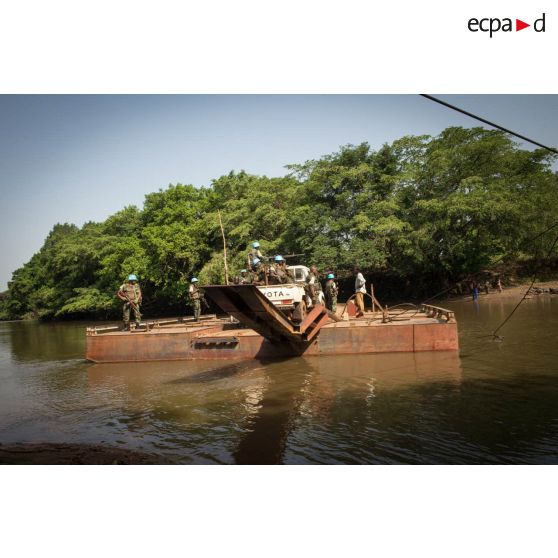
[255, 244]
[242, 271]
[132, 278]
[279, 258]
[256, 262]
[194, 280]
[330, 276]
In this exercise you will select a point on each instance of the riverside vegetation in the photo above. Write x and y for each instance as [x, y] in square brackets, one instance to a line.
[417, 214]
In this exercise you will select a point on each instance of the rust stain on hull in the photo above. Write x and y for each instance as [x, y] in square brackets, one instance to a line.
[220, 342]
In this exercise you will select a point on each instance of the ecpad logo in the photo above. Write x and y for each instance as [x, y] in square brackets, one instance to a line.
[493, 25]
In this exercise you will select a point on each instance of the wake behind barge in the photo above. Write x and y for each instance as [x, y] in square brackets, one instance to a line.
[255, 328]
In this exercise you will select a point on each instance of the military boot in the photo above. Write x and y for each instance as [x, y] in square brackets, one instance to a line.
[126, 326]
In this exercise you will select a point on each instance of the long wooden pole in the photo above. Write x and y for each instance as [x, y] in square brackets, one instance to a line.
[224, 248]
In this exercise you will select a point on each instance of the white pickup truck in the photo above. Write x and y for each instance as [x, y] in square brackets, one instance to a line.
[291, 298]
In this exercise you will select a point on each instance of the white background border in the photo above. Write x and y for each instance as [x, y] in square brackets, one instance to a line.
[255, 511]
[249, 46]
[259, 46]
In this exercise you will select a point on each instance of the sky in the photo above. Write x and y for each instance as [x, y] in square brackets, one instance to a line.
[79, 158]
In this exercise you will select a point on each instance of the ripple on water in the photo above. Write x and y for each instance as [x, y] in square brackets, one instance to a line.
[494, 403]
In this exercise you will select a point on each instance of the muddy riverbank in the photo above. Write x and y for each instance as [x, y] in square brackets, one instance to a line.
[73, 454]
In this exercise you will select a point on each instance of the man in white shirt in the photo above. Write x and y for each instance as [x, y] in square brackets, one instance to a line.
[360, 290]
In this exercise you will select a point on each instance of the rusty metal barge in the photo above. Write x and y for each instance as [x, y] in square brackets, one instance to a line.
[253, 327]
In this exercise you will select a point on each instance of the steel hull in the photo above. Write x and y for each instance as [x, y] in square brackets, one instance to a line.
[221, 342]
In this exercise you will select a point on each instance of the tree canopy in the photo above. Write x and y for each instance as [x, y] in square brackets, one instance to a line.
[429, 210]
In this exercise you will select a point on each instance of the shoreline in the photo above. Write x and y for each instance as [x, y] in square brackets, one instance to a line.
[516, 290]
[43, 453]
[511, 291]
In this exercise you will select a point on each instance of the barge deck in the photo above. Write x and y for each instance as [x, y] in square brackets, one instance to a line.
[429, 328]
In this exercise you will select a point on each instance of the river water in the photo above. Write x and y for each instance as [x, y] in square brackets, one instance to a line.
[494, 402]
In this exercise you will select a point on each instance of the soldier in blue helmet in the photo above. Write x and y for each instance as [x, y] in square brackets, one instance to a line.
[273, 276]
[243, 278]
[280, 271]
[254, 254]
[258, 272]
[130, 294]
[331, 293]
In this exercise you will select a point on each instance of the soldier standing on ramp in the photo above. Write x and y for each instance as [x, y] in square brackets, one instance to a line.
[195, 298]
[130, 293]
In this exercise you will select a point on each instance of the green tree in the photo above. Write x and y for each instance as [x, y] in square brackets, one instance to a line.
[423, 211]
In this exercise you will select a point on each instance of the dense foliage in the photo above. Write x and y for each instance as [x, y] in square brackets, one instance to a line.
[423, 211]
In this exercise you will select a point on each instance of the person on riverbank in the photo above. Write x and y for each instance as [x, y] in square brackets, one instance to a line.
[486, 286]
[475, 290]
[195, 298]
[360, 291]
[499, 285]
[331, 293]
[130, 294]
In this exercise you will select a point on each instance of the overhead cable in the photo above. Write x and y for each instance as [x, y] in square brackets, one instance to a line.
[494, 125]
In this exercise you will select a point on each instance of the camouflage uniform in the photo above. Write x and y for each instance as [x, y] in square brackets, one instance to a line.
[258, 277]
[273, 277]
[132, 292]
[331, 295]
[313, 287]
[243, 279]
[284, 274]
[195, 298]
[254, 253]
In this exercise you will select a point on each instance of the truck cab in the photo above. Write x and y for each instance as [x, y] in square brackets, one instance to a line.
[291, 298]
[300, 272]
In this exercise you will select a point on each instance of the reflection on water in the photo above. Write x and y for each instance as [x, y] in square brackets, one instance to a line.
[495, 402]
[58, 341]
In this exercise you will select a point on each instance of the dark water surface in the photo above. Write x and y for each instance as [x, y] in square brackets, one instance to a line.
[494, 402]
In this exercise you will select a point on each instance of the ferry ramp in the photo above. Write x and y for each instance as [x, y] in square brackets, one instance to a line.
[251, 308]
